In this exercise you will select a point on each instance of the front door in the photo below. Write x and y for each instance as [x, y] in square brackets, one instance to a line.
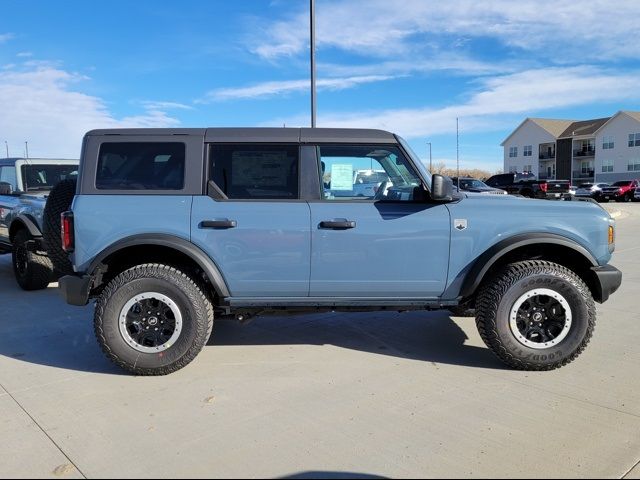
[370, 237]
[253, 224]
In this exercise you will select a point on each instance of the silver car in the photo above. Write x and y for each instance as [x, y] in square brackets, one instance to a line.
[591, 190]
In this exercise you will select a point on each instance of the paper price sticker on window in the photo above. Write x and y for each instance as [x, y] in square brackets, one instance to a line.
[341, 176]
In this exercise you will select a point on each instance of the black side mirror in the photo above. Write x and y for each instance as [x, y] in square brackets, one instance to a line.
[441, 189]
[6, 188]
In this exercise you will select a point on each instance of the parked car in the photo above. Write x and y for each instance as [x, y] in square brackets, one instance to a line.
[531, 270]
[591, 190]
[527, 185]
[636, 195]
[24, 187]
[365, 183]
[622, 191]
[474, 185]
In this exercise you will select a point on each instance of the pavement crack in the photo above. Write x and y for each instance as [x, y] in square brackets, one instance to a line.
[564, 395]
[10, 395]
[631, 470]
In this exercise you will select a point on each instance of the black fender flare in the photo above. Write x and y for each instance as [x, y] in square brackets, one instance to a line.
[485, 261]
[170, 241]
[24, 221]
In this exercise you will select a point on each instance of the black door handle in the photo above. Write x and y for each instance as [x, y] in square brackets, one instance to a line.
[338, 224]
[218, 224]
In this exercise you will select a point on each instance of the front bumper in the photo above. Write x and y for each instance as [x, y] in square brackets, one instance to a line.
[609, 280]
[75, 290]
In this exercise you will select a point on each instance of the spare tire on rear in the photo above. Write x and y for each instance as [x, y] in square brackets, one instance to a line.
[59, 201]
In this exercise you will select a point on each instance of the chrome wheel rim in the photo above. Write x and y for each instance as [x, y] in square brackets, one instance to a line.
[150, 322]
[540, 319]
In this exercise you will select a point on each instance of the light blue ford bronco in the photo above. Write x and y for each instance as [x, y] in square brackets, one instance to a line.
[171, 228]
[25, 185]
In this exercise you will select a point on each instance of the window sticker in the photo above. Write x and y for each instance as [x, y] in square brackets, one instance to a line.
[341, 176]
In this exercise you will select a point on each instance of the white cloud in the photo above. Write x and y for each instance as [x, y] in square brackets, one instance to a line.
[5, 37]
[271, 89]
[158, 105]
[42, 105]
[498, 104]
[564, 30]
[24, 55]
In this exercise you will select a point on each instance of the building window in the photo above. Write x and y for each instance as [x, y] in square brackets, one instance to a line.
[513, 152]
[607, 142]
[528, 149]
[634, 139]
[513, 169]
[607, 166]
[585, 168]
[634, 165]
[527, 169]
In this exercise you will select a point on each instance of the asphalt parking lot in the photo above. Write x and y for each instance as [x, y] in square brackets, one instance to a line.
[360, 395]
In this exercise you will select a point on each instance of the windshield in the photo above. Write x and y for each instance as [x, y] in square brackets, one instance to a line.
[621, 184]
[45, 177]
[424, 172]
[464, 183]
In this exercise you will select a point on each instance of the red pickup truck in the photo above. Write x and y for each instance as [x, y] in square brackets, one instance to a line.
[622, 191]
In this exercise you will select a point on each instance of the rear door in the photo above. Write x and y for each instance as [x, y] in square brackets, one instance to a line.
[254, 223]
[386, 244]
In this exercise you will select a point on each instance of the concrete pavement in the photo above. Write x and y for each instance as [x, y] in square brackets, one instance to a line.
[361, 395]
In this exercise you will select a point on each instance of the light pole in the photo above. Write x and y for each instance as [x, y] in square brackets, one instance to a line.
[430, 159]
[312, 31]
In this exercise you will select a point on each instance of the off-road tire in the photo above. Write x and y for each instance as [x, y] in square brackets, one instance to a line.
[194, 305]
[37, 272]
[497, 297]
[58, 201]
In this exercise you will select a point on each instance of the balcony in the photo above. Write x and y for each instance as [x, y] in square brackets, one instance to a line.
[580, 175]
[585, 152]
[547, 156]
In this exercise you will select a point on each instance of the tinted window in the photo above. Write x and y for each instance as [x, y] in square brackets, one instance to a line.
[45, 177]
[245, 172]
[141, 166]
[621, 184]
[499, 180]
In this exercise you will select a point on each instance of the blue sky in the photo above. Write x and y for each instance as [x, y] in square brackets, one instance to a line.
[67, 67]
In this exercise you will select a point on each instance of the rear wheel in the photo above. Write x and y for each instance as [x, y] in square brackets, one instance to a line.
[536, 315]
[33, 270]
[153, 320]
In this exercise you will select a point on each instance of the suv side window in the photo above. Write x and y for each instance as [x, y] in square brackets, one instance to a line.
[253, 172]
[361, 172]
[8, 175]
[141, 166]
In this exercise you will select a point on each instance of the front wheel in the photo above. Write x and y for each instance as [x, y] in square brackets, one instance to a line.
[153, 320]
[536, 315]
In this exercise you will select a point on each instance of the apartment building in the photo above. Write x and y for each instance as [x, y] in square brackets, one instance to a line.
[601, 149]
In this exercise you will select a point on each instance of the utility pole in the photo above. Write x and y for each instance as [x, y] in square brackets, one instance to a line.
[26, 149]
[6, 145]
[458, 151]
[312, 31]
[430, 159]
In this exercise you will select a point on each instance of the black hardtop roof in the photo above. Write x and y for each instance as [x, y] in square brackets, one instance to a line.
[263, 135]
